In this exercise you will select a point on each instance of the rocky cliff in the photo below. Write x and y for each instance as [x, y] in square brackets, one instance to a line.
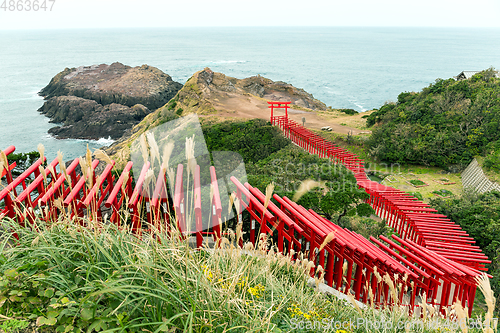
[104, 100]
[279, 91]
[210, 93]
[87, 119]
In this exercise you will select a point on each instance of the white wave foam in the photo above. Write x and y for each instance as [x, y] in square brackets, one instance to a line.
[357, 104]
[105, 142]
[332, 91]
[34, 95]
[228, 61]
[101, 142]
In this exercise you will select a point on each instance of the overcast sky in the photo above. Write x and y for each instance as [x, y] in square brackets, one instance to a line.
[188, 13]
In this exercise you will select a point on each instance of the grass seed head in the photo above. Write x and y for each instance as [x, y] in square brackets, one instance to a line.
[125, 180]
[42, 172]
[483, 283]
[390, 283]
[41, 150]
[4, 163]
[304, 187]
[239, 232]
[155, 151]
[88, 156]
[310, 265]
[370, 292]
[327, 240]
[354, 303]
[144, 147]
[167, 153]
[269, 194]
[83, 166]
[52, 171]
[320, 272]
[102, 156]
[62, 165]
[231, 202]
[377, 275]
[191, 161]
[461, 315]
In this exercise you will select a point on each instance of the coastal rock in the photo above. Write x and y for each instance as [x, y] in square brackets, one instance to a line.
[280, 91]
[93, 102]
[115, 83]
[87, 119]
[208, 93]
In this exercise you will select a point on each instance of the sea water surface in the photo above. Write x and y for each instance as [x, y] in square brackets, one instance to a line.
[358, 68]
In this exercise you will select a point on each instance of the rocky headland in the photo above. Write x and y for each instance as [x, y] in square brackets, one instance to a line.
[211, 92]
[121, 102]
[216, 96]
[98, 101]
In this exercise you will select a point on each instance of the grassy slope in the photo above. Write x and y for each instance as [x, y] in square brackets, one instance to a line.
[73, 279]
[67, 278]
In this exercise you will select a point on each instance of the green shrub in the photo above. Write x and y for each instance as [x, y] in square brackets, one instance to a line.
[417, 182]
[443, 193]
[254, 140]
[447, 123]
[349, 111]
[23, 161]
[171, 105]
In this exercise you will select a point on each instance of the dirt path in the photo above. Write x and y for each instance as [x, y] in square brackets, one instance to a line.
[234, 105]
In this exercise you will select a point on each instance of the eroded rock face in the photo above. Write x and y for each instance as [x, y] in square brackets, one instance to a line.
[210, 82]
[87, 119]
[209, 93]
[280, 91]
[103, 100]
[205, 89]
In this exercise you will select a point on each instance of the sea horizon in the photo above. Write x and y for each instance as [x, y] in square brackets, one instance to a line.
[345, 67]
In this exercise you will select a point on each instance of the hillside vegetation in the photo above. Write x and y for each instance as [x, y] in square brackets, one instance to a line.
[445, 124]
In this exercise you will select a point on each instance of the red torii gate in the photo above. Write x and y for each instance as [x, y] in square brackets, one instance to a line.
[427, 260]
[278, 105]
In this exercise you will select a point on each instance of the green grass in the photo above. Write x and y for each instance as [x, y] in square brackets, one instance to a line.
[73, 279]
[13, 325]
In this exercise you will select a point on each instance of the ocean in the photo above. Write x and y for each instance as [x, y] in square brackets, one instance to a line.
[358, 68]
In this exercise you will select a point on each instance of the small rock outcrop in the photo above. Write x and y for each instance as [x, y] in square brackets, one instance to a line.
[98, 101]
[280, 91]
[87, 119]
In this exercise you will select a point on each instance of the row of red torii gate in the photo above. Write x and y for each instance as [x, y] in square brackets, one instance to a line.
[432, 257]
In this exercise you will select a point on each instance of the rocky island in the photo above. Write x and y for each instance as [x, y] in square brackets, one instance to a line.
[98, 101]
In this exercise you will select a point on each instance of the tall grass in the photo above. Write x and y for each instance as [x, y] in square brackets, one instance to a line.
[112, 279]
[105, 278]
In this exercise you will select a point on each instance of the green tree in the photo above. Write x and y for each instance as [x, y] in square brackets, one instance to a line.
[23, 161]
[447, 123]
